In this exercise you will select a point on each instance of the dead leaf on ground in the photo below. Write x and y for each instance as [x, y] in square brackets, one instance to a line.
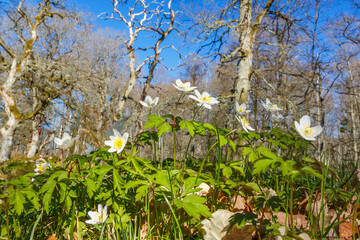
[216, 227]
[346, 230]
[52, 237]
[239, 203]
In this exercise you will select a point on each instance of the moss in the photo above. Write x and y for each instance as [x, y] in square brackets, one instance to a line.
[14, 110]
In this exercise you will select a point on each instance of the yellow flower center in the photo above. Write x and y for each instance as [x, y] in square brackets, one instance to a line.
[307, 130]
[205, 98]
[100, 216]
[241, 109]
[41, 169]
[245, 122]
[274, 106]
[185, 86]
[118, 143]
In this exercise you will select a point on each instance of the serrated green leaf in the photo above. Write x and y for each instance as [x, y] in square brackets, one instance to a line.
[227, 172]
[19, 201]
[164, 128]
[47, 186]
[47, 197]
[223, 140]
[262, 165]
[190, 127]
[246, 151]
[141, 192]
[232, 145]
[311, 171]
[90, 187]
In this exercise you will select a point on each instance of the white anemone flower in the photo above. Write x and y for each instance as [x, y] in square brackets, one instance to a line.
[89, 149]
[117, 142]
[184, 87]
[204, 99]
[304, 129]
[245, 124]
[98, 217]
[149, 102]
[269, 106]
[41, 166]
[65, 142]
[277, 117]
[241, 109]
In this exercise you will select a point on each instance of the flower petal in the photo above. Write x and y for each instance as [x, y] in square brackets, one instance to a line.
[156, 101]
[148, 100]
[198, 95]
[317, 130]
[178, 82]
[116, 133]
[125, 137]
[143, 103]
[193, 97]
[305, 121]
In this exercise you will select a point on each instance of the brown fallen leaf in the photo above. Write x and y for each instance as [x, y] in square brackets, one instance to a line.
[239, 203]
[52, 237]
[346, 230]
[300, 220]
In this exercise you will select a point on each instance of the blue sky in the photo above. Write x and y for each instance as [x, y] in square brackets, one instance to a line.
[97, 7]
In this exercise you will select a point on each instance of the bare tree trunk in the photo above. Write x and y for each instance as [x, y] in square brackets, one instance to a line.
[247, 31]
[7, 133]
[132, 81]
[35, 138]
[13, 114]
[35, 133]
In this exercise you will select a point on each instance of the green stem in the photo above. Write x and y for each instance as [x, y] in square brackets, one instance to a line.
[174, 133]
[291, 205]
[7, 221]
[203, 162]
[191, 137]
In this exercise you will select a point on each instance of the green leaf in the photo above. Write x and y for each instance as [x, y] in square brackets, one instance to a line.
[232, 145]
[141, 192]
[190, 127]
[117, 180]
[262, 165]
[227, 172]
[90, 187]
[162, 178]
[18, 202]
[102, 170]
[32, 196]
[246, 151]
[153, 121]
[164, 128]
[47, 186]
[311, 171]
[47, 197]
[240, 219]
[194, 206]
[223, 140]
[209, 127]
[253, 186]
[253, 156]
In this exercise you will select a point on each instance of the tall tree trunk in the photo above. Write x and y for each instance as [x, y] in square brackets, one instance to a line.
[246, 44]
[35, 138]
[35, 133]
[12, 113]
[132, 81]
[7, 133]
[247, 30]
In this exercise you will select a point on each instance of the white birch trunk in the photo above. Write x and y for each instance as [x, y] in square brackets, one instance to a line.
[35, 138]
[246, 44]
